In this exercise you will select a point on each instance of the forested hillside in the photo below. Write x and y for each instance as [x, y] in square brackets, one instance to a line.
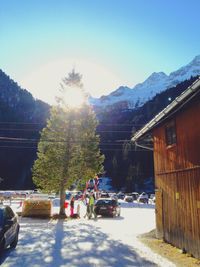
[21, 118]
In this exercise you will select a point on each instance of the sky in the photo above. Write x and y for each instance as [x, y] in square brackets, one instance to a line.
[110, 42]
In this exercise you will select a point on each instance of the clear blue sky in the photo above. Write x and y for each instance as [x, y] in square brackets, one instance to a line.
[111, 42]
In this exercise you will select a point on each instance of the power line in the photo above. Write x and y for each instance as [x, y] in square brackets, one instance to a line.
[19, 140]
[35, 142]
[24, 141]
[104, 146]
[16, 139]
[11, 129]
[106, 149]
[37, 130]
[18, 123]
[18, 147]
[118, 124]
[44, 123]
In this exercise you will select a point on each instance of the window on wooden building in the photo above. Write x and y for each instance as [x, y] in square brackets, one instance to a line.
[170, 133]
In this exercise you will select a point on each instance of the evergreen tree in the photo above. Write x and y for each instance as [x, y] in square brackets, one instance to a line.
[68, 150]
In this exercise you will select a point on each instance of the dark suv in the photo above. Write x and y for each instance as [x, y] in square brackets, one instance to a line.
[107, 207]
[9, 228]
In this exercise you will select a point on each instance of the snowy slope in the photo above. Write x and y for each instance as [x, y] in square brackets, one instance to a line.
[155, 83]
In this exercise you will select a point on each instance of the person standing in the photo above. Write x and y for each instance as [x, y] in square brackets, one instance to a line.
[91, 206]
[72, 206]
[86, 202]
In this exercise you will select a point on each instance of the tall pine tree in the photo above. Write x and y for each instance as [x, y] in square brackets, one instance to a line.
[68, 150]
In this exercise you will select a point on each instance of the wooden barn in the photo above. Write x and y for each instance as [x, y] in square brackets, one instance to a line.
[175, 133]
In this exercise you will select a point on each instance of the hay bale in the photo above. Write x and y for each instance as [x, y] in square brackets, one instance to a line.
[36, 208]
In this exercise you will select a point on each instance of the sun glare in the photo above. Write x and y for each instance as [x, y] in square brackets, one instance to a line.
[73, 97]
[43, 81]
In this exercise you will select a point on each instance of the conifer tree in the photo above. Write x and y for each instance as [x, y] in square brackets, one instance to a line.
[69, 146]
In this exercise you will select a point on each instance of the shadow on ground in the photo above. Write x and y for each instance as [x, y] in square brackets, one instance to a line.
[69, 243]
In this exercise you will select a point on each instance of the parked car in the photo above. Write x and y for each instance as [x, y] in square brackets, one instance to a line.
[135, 195]
[9, 228]
[152, 199]
[121, 196]
[128, 198]
[107, 207]
[104, 195]
[143, 198]
[113, 196]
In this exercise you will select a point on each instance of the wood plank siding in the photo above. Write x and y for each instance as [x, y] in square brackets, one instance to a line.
[177, 176]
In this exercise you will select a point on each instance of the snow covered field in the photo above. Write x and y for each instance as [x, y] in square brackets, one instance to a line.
[81, 242]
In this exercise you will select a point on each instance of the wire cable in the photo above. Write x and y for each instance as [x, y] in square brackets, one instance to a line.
[106, 149]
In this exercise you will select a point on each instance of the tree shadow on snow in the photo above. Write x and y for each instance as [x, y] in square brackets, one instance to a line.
[85, 245]
[71, 243]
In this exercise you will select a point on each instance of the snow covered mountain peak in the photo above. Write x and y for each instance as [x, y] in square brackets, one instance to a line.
[157, 76]
[196, 60]
[185, 72]
[154, 78]
[155, 83]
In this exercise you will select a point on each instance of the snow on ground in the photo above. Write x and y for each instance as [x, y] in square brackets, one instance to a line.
[80, 242]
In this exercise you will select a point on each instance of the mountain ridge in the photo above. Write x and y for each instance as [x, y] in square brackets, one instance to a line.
[154, 84]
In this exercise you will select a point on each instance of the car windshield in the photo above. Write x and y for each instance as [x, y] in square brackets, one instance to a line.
[106, 202]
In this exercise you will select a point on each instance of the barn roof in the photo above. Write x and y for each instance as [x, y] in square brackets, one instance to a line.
[172, 108]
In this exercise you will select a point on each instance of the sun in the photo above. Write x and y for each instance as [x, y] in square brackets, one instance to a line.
[74, 97]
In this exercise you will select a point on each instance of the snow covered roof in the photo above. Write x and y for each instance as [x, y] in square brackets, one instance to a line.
[173, 107]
